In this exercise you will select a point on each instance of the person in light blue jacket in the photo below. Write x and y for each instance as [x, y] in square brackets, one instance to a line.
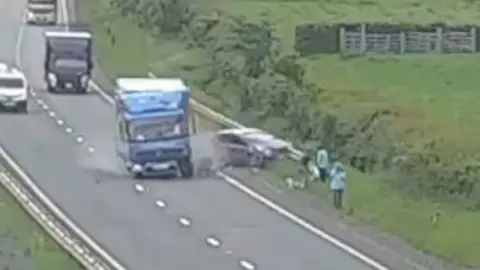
[322, 162]
[338, 179]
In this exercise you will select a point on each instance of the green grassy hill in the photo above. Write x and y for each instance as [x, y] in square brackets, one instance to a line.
[431, 100]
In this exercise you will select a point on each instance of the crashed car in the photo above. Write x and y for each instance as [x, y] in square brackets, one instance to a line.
[13, 89]
[250, 147]
[68, 61]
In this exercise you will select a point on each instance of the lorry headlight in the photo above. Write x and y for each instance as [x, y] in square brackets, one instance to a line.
[30, 16]
[52, 79]
[84, 80]
[137, 168]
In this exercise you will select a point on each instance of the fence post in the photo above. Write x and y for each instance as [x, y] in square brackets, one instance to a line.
[473, 36]
[402, 42]
[439, 43]
[363, 38]
[342, 40]
[194, 123]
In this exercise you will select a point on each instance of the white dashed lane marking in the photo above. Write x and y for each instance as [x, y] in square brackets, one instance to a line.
[247, 265]
[183, 221]
[160, 204]
[213, 242]
[139, 188]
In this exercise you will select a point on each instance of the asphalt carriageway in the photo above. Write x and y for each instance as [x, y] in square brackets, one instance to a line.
[66, 144]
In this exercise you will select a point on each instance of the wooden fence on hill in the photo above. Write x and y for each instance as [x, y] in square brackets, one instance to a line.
[370, 38]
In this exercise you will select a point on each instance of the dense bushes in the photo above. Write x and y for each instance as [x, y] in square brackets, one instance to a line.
[257, 84]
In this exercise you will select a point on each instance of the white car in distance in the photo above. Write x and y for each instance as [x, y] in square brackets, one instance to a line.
[13, 89]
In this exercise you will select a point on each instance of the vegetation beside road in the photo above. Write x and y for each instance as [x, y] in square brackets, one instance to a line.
[420, 107]
[24, 245]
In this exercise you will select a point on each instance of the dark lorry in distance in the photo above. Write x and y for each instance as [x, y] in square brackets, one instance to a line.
[41, 12]
[68, 61]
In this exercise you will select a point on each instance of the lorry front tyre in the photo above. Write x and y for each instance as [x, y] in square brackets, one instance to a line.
[137, 175]
[186, 168]
[50, 89]
[22, 107]
[82, 90]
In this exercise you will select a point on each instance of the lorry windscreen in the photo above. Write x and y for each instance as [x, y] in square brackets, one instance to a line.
[77, 48]
[70, 64]
[158, 128]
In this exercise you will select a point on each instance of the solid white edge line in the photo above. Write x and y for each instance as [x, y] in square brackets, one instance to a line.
[302, 223]
[278, 209]
[44, 200]
[43, 220]
[282, 211]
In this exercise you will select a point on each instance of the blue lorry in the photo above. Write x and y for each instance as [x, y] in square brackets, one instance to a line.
[153, 126]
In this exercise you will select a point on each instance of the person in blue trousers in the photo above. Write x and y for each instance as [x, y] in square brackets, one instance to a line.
[338, 179]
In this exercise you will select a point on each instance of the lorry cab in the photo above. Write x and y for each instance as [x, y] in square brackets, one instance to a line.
[41, 12]
[153, 126]
[68, 61]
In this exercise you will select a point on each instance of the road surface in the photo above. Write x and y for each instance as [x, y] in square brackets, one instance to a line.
[65, 143]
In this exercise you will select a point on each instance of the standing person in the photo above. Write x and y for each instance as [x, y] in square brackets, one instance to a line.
[322, 162]
[304, 169]
[338, 178]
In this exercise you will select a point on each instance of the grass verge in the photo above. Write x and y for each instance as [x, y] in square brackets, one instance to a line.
[24, 245]
[442, 99]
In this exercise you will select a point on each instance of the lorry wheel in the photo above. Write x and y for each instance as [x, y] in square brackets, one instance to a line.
[186, 168]
[137, 175]
[82, 90]
[22, 107]
[51, 89]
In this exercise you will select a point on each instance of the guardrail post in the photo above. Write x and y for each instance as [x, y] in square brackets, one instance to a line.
[194, 123]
